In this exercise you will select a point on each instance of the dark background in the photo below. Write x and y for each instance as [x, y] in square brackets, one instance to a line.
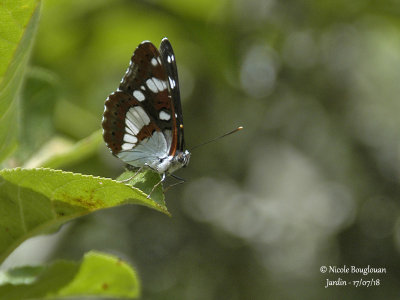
[311, 181]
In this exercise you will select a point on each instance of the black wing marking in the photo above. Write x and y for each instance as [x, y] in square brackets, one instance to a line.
[169, 61]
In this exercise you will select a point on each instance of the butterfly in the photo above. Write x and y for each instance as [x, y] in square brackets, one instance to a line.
[142, 120]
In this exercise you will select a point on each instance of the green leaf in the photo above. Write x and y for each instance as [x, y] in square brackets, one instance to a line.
[37, 201]
[18, 24]
[141, 181]
[97, 275]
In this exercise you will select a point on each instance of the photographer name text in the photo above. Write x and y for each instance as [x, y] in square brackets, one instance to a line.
[352, 270]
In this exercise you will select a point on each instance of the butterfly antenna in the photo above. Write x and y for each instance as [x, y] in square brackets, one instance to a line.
[217, 138]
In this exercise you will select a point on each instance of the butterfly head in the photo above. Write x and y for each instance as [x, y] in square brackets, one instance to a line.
[172, 163]
[183, 158]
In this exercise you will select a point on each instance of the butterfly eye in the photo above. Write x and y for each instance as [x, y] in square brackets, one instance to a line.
[182, 159]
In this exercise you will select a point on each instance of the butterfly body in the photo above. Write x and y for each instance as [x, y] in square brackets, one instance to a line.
[142, 120]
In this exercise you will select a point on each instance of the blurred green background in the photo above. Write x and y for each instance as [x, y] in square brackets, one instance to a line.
[312, 179]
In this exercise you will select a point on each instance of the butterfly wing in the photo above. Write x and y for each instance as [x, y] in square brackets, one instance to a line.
[138, 119]
[168, 59]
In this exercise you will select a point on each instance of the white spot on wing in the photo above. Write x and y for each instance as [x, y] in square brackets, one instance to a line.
[170, 58]
[154, 62]
[171, 82]
[127, 146]
[130, 138]
[135, 119]
[145, 118]
[139, 95]
[128, 130]
[164, 115]
[160, 84]
[151, 85]
[131, 126]
[156, 85]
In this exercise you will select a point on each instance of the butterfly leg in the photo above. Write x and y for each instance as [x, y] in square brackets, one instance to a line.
[181, 180]
[157, 184]
[133, 176]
